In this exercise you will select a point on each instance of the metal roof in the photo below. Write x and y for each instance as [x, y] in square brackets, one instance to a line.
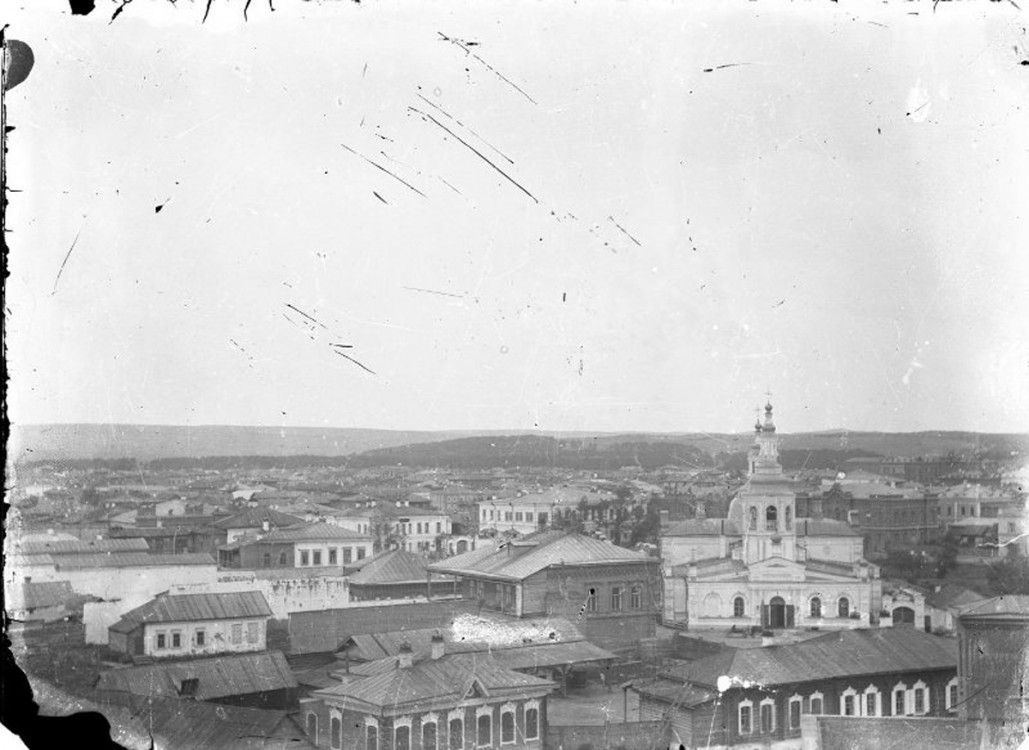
[38, 594]
[704, 527]
[835, 655]
[524, 557]
[254, 518]
[671, 691]
[448, 678]
[316, 531]
[999, 608]
[176, 723]
[129, 560]
[823, 527]
[393, 566]
[195, 608]
[78, 546]
[217, 677]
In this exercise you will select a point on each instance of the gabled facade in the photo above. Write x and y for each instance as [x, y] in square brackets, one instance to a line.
[434, 700]
[764, 567]
[308, 545]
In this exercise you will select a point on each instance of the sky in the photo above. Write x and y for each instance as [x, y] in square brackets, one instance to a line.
[604, 216]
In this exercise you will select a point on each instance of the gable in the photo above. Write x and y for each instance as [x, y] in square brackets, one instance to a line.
[776, 569]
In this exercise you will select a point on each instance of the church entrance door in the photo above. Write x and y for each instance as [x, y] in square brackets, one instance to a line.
[777, 613]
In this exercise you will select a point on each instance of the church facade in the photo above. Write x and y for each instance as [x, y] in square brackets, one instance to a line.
[762, 566]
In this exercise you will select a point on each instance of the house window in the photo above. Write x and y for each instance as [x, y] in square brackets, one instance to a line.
[372, 737]
[767, 716]
[591, 599]
[636, 597]
[282, 559]
[402, 737]
[360, 553]
[816, 607]
[347, 555]
[507, 725]
[200, 636]
[336, 732]
[921, 698]
[532, 722]
[333, 556]
[161, 640]
[312, 727]
[744, 717]
[317, 557]
[237, 632]
[266, 560]
[796, 704]
[456, 734]
[843, 607]
[900, 694]
[429, 735]
[952, 694]
[816, 704]
[176, 639]
[872, 699]
[439, 527]
[616, 598]
[303, 557]
[528, 516]
[848, 704]
[485, 735]
[518, 515]
[507, 515]
[252, 633]
[738, 607]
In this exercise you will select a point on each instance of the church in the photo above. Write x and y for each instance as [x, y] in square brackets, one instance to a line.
[763, 566]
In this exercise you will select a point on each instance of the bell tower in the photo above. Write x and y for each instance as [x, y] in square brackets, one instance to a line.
[769, 504]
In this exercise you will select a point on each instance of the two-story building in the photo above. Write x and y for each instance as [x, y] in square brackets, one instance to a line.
[610, 591]
[309, 545]
[400, 525]
[184, 625]
[253, 521]
[431, 700]
[756, 697]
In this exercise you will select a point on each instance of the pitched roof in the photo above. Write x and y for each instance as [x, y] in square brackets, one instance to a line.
[217, 677]
[522, 558]
[38, 594]
[195, 608]
[315, 531]
[823, 527]
[129, 560]
[953, 595]
[176, 723]
[865, 733]
[392, 566]
[672, 691]
[841, 654]
[448, 678]
[254, 518]
[1015, 607]
[77, 546]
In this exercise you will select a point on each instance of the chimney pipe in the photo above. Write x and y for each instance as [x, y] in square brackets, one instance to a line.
[439, 648]
[405, 659]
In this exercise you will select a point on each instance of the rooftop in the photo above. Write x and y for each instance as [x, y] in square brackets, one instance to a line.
[1012, 607]
[255, 518]
[195, 608]
[392, 566]
[177, 723]
[524, 557]
[863, 733]
[834, 655]
[314, 532]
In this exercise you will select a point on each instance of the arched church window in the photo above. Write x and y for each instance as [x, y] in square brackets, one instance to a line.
[753, 518]
[738, 607]
[789, 518]
[771, 517]
[816, 607]
[843, 607]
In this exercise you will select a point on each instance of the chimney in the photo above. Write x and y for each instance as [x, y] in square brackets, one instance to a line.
[438, 646]
[405, 659]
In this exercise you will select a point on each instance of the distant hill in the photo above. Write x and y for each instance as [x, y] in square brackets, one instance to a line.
[31, 443]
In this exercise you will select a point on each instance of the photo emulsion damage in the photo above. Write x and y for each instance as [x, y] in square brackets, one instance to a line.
[529, 376]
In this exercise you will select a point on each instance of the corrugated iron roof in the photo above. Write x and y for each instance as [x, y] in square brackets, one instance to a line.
[217, 677]
[834, 655]
[999, 607]
[175, 723]
[704, 527]
[448, 678]
[36, 595]
[520, 559]
[78, 546]
[196, 608]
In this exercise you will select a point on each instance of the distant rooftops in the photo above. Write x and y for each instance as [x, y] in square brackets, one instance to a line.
[195, 608]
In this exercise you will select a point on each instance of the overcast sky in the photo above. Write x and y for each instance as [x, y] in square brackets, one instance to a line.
[622, 241]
